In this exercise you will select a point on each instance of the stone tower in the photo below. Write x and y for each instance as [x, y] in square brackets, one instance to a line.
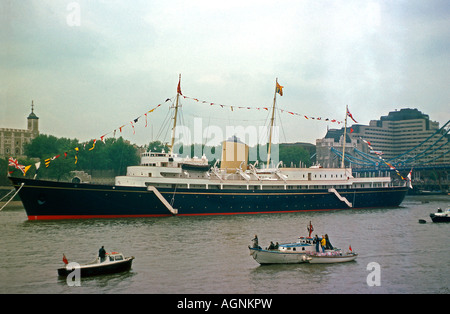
[33, 121]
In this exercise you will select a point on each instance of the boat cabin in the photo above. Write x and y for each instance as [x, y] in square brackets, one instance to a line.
[304, 244]
[114, 256]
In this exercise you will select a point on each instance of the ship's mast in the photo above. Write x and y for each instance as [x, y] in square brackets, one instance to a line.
[345, 137]
[175, 116]
[271, 122]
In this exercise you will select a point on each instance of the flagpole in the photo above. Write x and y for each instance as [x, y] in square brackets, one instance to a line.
[271, 122]
[345, 136]
[175, 117]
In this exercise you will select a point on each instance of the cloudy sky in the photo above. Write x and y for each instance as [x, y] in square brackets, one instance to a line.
[92, 66]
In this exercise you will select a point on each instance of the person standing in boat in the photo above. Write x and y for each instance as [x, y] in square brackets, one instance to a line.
[328, 245]
[323, 243]
[102, 254]
[255, 242]
[317, 242]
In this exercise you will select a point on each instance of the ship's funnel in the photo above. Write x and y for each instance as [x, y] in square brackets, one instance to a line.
[234, 152]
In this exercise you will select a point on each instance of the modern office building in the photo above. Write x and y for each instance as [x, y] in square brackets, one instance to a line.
[406, 136]
[12, 140]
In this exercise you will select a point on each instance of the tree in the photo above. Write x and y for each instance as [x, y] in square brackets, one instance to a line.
[113, 154]
[121, 154]
[3, 170]
[65, 155]
[294, 154]
[157, 146]
[45, 145]
[55, 151]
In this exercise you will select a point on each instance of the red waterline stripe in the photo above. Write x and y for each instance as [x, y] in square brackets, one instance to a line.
[265, 212]
[59, 217]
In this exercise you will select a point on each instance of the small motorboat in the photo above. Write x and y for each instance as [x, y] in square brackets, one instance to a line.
[114, 262]
[302, 251]
[330, 257]
[441, 216]
[287, 253]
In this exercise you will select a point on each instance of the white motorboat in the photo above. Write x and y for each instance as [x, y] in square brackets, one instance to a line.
[287, 253]
[302, 251]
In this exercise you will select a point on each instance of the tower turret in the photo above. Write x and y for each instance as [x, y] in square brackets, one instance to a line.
[33, 120]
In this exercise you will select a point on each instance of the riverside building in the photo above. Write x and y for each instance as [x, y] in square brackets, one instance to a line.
[12, 140]
[405, 136]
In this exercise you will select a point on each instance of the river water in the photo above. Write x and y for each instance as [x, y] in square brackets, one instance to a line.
[209, 254]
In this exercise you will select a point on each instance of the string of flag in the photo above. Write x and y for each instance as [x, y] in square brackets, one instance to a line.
[279, 89]
[233, 107]
[391, 166]
[14, 163]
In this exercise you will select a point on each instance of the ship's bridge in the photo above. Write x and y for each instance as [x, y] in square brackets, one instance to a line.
[157, 159]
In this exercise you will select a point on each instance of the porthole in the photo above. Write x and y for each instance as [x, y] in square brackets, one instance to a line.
[41, 199]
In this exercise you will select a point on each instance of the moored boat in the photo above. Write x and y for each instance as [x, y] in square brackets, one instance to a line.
[113, 263]
[165, 184]
[306, 250]
[441, 216]
[287, 253]
[140, 196]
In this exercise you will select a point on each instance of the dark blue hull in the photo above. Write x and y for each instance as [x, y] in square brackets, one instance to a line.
[436, 218]
[60, 200]
[100, 269]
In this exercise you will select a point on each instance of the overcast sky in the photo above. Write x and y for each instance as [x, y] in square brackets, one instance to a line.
[92, 66]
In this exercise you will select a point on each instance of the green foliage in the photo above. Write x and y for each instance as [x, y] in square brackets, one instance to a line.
[3, 170]
[47, 146]
[114, 154]
[157, 146]
[290, 154]
[62, 157]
